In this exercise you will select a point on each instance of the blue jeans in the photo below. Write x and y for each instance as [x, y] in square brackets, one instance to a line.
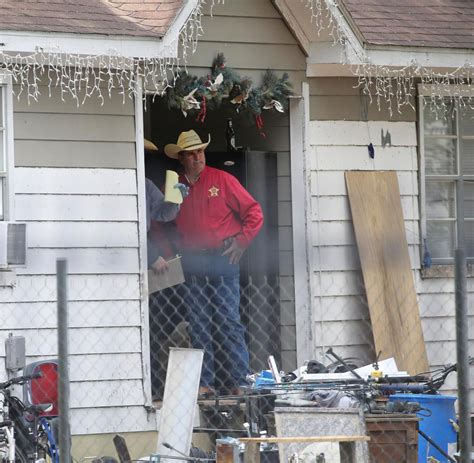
[212, 299]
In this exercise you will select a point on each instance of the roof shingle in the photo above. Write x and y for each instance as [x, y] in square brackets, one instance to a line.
[415, 23]
[136, 18]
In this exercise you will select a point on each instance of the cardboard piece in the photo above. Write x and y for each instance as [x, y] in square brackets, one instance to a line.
[172, 277]
[377, 216]
[179, 407]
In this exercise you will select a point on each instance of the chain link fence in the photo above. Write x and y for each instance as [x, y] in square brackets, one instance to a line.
[129, 376]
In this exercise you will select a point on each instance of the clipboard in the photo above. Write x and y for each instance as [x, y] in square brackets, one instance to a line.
[172, 277]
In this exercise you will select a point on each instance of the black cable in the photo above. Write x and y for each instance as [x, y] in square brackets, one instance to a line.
[436, 446]
[425, 415]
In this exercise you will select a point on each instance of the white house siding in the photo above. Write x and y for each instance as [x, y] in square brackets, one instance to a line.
[340, 312]
[341, 315]
[253, 37]
[76, 187]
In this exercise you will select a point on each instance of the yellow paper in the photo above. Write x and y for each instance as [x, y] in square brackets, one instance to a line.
[172, 194]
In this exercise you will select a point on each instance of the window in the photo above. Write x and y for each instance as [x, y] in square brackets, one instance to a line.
[12, 234]
[6, 149]
[447, 154]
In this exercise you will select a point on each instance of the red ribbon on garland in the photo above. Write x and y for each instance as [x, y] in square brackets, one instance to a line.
[203, 112]
[259, 124]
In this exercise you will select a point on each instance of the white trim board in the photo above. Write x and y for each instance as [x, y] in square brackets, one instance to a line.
[445, 90]
[301, 218]
[142, 253]
[87, 44]
[325, 59]
[287, 12]
[8, 133]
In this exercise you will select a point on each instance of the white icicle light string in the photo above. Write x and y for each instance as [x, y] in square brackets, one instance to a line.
[82, 77]
[394, 87]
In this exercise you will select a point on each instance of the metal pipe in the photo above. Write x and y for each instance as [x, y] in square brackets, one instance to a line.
[462, 330]
[343, 362]
[462, 352]
[64, 429]
[436, 446]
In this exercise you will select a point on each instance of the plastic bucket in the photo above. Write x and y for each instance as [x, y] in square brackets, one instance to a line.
[437, 426]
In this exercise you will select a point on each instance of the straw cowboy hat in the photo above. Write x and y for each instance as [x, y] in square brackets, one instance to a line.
[187, 141]
[149, 145]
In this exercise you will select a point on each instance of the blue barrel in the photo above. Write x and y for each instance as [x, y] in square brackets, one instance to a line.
[437, 426]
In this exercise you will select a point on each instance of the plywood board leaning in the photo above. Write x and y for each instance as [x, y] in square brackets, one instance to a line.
[377, 216]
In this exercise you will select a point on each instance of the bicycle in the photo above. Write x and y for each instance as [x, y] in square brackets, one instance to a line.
[25, 435]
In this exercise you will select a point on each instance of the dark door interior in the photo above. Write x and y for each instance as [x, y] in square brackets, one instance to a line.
[260, 307]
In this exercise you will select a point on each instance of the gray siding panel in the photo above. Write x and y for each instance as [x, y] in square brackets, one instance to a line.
[257, 30]
[62, 102]
[261, 56]
[64, 156]
[339, 98]
[57, 153]
[245, 8]
[81, 127]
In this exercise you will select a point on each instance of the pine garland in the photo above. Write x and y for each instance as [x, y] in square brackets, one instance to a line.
[193, 95]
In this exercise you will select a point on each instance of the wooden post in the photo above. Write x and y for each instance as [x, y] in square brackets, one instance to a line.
[226, 452]
[252, 452]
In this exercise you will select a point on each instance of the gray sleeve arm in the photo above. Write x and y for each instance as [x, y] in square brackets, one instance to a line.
[157, 208]
[152, 252]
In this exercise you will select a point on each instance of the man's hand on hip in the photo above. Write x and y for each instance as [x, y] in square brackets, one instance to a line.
[234, 251]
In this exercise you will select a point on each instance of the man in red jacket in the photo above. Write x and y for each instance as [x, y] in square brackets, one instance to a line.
[216, 223]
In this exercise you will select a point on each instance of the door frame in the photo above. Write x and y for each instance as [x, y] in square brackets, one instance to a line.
[301, 215]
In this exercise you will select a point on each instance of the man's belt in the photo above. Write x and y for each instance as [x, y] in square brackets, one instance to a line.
[226, 243]
[205, 251]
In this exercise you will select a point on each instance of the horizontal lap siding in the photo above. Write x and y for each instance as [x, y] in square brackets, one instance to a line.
[340, 99]
[76, 187]
[254, 38]
[340, 308]
[341, 312]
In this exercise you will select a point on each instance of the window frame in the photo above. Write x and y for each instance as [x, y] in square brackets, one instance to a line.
[426, 92]
[6, 132]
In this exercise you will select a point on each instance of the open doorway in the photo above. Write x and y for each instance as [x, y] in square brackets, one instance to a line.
[262, 165]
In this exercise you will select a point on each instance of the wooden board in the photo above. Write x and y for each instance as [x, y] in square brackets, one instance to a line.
[380, 233]
[306, 439]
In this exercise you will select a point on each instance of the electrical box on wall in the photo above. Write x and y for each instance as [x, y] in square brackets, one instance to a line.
[14, 352]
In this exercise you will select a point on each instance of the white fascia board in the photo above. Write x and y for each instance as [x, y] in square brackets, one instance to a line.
[325, 56]
[86, 44]
[465, 91]
[353, 46]
[426, 57]
[172, 35]
[292, 22]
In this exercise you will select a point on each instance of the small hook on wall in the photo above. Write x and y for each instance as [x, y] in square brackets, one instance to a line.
[386, 139]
